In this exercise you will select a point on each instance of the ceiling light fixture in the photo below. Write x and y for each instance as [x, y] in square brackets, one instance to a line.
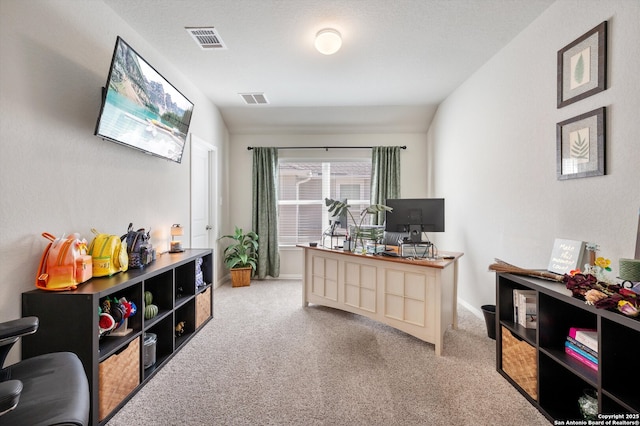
[328, 41]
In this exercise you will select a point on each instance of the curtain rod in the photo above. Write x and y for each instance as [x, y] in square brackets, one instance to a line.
[326, 148]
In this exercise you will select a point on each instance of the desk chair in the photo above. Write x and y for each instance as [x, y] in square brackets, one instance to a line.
[49, 389]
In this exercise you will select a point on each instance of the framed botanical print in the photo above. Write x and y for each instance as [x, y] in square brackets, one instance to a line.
[580, 145]
[582, 66]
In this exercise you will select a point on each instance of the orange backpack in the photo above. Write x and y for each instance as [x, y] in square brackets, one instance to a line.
[64, 263]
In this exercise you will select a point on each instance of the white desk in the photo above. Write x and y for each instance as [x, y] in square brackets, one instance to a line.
[418, 297]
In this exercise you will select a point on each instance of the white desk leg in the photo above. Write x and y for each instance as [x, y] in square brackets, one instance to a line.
[305, 301]
[455, 295]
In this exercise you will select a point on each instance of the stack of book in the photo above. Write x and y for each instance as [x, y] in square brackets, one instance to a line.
[582, 344]
[525, 311]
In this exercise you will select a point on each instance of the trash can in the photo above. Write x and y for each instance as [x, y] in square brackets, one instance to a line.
[150, 340]
[489, 312]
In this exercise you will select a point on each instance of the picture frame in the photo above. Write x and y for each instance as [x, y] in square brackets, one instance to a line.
[582, 66]
[580, 145]
[566, 256]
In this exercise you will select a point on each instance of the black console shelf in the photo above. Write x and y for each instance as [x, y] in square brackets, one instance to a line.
[69, 322]
[560, 380]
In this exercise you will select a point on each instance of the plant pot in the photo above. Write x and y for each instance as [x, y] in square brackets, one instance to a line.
[241, 277]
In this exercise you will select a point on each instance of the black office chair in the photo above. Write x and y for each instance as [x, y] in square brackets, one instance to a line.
[49, 389]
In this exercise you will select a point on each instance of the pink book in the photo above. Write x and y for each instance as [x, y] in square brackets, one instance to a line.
[573, 330]
[580, 358]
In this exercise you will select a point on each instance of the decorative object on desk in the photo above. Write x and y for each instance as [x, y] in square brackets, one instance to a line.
[593, 296]
[566, 256]
[118, 311]
[199, 274]
[582, 66]
[108, 253]
[502, 266]
[139, 248]
[599, 269]
[418, 250]
[618, 298]
[313, 244]
[592, 249]
[64, 263]
[588, 404]
[106, 323]
[630, 273]
[180, 328]
[580, 146]
[241, 257]
[176, 231]
[150, 310]
[360, 231]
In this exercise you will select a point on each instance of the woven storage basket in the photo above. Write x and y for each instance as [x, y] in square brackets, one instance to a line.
[118, 376]
[519, 362]
[203, 307]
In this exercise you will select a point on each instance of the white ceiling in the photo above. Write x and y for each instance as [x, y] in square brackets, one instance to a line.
[399, 58]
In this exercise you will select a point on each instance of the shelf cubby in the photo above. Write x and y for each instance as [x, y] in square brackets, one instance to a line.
[560, 389]
[187, 314]
[561, 379]
[555, 318]
[56, 310]
[618, 369]
[161, 287]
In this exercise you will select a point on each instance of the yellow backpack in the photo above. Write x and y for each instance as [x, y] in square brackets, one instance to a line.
[109, 254]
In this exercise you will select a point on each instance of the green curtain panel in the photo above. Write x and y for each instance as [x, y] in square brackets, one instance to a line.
[265, 210]
[385, 176]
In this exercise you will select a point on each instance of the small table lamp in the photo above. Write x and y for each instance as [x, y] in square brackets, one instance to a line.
[176, 231]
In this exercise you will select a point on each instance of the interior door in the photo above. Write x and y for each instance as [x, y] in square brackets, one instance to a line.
[203, 193]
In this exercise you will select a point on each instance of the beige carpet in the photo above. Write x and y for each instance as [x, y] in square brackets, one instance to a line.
[266, 360]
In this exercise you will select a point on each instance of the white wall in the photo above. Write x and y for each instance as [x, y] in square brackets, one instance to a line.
[413, 175]
[56, 175]
[493, 145]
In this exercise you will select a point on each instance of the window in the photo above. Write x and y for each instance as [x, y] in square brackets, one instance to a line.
[303, 186]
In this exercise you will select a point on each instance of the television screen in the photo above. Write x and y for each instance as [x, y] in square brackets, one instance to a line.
[141, 109]
[415, 215]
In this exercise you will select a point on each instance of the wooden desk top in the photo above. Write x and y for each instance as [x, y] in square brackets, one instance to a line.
[439, 263]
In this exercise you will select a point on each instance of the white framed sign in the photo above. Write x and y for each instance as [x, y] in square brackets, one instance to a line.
[566, 256]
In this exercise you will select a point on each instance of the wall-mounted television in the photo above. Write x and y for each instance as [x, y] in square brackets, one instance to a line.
[415, 215]
[141, 109]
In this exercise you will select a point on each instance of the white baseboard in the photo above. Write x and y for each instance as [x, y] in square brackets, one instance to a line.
[227, 278]
[475, 311]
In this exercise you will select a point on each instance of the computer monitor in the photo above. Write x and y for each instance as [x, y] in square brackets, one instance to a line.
[415, 216]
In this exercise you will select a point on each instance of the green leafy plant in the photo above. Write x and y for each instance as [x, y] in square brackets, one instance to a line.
[337, 208]
[243, 252]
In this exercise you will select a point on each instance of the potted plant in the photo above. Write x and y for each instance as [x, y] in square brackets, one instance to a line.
[241, 256]
[338, 208]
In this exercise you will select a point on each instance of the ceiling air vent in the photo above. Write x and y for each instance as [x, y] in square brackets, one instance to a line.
[206, 37]
[257, 98]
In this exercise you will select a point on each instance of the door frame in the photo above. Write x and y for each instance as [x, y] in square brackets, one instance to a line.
[214, 216]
